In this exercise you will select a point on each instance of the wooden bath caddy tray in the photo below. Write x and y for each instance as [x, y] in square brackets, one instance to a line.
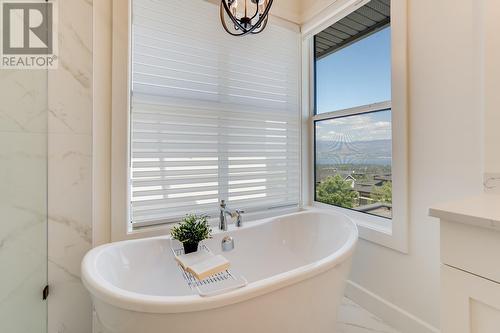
[213, 285]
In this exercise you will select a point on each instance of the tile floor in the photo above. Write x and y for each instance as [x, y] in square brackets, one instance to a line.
[352, 318]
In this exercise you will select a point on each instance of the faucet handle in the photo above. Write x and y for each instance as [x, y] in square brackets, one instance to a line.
[223, 203]
[239, 221]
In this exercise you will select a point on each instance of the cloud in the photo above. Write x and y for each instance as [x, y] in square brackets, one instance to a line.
[365, 127]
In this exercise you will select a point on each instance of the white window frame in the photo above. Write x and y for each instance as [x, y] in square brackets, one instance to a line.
[121, 228]
[390, 233]
[120, 148]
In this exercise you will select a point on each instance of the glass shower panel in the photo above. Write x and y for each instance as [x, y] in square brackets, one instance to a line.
[23, 200]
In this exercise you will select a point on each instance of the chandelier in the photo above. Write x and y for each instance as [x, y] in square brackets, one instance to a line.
[246, 16]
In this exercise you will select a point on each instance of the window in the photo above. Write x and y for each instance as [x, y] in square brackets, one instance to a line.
[354, 75]
[199, 116]
[353, 121]
[355, 55]
[212, 116]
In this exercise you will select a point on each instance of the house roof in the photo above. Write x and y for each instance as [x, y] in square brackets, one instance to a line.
[387, 178]
[367, 186]
[372, 17]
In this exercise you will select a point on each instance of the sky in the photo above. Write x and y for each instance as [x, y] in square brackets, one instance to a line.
[357, 75]
[366, 127]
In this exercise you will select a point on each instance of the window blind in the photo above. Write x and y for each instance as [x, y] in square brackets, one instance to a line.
[213, 116]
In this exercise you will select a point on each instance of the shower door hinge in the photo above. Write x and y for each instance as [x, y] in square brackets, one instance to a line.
[45, 292]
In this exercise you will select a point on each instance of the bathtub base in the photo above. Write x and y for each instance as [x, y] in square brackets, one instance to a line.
[307, 306]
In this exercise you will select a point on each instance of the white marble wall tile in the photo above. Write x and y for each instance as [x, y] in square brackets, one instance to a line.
[70, 231]
[70, 183]
[23, 106]
[70, 169]
[70, 86]
[23, 227]
[22, 309]
[69, 302]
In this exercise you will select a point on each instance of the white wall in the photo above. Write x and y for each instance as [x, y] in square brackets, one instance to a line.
[492, 85]
[70, 169]
[446, 139]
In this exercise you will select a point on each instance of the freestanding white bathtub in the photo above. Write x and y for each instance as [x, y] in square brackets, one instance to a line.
[296, 266]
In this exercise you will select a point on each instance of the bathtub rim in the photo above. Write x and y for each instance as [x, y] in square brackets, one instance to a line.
[110, 294]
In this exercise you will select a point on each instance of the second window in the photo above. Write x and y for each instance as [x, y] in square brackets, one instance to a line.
[353, 116]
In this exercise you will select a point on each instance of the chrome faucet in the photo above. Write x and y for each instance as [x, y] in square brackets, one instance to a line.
[223, 216]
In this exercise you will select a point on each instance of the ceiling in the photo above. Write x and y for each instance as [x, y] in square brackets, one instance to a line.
[366, 20]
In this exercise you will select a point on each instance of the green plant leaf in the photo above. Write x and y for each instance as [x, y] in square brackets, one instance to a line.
[193, 229]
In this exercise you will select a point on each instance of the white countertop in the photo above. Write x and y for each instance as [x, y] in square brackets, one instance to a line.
[480, 211]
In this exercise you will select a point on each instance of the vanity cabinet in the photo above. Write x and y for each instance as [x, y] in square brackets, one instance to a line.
[470, 264]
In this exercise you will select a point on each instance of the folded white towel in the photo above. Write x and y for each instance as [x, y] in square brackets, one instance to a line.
[202, 264]
[190, 259]
[213, 265]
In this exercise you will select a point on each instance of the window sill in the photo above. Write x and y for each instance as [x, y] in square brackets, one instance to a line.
[164, 229]
[371, 228]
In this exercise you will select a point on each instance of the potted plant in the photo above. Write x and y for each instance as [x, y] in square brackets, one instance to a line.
[192, 230]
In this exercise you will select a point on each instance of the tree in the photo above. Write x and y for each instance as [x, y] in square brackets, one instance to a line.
[383, 193]
[334, 190]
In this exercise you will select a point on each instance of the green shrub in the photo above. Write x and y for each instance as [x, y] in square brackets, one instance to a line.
[334, 190]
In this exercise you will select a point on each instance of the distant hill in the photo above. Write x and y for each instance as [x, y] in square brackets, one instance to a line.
[358, 152]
